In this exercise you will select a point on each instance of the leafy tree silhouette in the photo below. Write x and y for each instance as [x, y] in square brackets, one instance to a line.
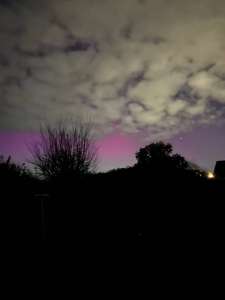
[159, 156]
[153, 152]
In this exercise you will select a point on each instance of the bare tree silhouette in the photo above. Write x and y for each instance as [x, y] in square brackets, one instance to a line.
[64, 152]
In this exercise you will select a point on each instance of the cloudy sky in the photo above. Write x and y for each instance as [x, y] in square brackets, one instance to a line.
[141, 70]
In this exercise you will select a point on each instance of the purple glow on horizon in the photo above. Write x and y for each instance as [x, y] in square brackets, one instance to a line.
[117, 150]
[202, 146]
[17, 145]
[114, 150]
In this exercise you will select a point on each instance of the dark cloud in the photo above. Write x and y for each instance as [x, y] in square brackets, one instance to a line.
[80, 45]
[44, 50]
[7, 3]
[156, 40]
[185, 92]
[126, 31]
[41, 52]
[131, 81]
[4, 61]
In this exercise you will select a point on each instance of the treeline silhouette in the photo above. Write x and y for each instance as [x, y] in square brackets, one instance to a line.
[160, 204]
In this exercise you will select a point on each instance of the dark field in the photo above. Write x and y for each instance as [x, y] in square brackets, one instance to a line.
[118, 210]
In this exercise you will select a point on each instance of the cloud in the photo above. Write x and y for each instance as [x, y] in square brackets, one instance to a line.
[140, 66]
[207, 84]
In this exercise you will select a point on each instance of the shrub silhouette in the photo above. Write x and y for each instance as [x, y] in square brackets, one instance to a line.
[64, 153]
[10, 170]
[14, 177]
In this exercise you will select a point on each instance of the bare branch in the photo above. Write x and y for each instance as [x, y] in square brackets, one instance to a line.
[63, 153]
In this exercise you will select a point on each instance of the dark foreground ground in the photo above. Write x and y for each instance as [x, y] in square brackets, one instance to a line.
[116, 211]
[125, 222]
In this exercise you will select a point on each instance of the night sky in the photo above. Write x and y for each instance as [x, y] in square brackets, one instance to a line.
[139, 70]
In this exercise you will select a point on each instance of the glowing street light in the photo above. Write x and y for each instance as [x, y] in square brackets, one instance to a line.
[210, 175]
